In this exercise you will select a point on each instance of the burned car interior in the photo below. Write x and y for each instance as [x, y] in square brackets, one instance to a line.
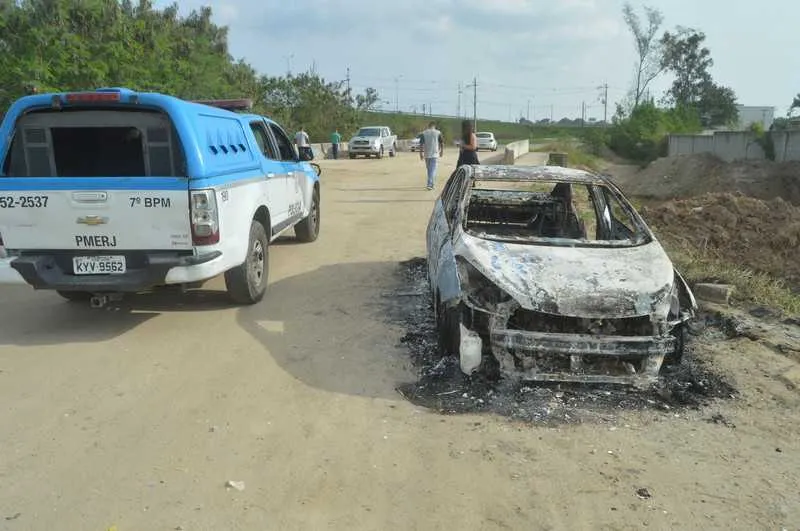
[567, 211]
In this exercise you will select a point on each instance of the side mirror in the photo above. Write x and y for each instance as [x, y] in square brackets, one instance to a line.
[317, 168]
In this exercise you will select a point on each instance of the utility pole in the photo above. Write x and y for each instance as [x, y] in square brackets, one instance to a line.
[289, 64]
[397, 93]
[604, 101]
[529, 110]
[458, 111]
[474, 87]
[551, 113]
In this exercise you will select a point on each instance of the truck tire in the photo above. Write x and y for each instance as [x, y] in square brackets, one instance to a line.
[352, 155]
[247, 283]
[393, 152]
[380, 153]
[75, 296]
[307, 230]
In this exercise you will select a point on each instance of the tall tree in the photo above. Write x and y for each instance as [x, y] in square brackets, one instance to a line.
[685, 56]
[648, 63]
[795, 104]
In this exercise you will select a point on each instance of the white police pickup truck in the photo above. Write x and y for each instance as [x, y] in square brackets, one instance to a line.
[110, 192]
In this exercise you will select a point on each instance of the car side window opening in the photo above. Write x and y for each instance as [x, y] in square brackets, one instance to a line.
[451, 195]
[285, 147]
[620, 224]
[262, 139]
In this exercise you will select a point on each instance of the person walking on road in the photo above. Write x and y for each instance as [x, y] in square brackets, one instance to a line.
[432, 150]
[302, 142]
[336, 139]
[468, 154]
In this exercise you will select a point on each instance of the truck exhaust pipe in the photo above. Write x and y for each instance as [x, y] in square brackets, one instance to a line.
[98, 301]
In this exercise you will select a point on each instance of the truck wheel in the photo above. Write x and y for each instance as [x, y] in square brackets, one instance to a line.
[307, 230]
[380, 153]
[247, 283]
[352, 155]
[76, 296]
[393, 152]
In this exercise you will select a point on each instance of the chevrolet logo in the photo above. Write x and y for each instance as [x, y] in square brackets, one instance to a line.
[92, 220]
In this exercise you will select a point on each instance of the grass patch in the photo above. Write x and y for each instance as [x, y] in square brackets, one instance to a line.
[752, 288]
[577, 156]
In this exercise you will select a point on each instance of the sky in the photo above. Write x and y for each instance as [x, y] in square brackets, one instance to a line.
[530, 57]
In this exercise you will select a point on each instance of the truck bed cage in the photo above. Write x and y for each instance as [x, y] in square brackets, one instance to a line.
[229, 105]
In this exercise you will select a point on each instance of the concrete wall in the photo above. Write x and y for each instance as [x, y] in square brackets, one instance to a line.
[515, 150]
[727, 145]
[787, 145]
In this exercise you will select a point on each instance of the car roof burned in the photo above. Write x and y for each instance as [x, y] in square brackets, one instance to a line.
[537, 173]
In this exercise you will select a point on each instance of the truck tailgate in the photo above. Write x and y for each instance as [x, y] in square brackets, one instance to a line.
[116, 214]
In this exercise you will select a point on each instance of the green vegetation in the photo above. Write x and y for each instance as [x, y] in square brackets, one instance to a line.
[62, 45]
[692, 102]
[752, 288]
[577, 155]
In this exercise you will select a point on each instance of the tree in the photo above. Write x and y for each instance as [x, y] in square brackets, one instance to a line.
[795, 104]
[649, 64]
[689, 61]
[367, 101]
[684, 55]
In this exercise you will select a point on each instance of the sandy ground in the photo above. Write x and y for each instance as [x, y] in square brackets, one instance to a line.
[138, 417]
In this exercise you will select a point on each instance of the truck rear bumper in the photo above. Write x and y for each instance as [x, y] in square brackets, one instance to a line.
[146, 270]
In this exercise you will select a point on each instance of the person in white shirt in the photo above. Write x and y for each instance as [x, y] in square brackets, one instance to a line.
[432, 149]
[302, 142]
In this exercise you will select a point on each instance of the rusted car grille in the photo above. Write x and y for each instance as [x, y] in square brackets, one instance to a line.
[556, 324]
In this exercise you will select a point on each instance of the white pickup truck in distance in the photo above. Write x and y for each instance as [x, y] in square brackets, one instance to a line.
[373, 141]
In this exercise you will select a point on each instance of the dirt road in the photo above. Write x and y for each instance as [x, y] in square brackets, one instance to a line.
[138, 417]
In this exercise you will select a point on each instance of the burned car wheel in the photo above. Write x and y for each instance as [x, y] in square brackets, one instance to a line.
[447, 327]
[681, 334]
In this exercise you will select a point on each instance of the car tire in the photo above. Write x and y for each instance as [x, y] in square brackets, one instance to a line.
[247, 283]
[393, 152]
[448, 330]
[75, 296]
[681, 334]
[380, 153]
[307, 230]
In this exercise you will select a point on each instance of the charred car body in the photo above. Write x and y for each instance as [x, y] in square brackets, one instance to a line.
[549, 274]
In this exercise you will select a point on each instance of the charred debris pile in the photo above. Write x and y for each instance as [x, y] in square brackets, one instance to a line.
[444, 388]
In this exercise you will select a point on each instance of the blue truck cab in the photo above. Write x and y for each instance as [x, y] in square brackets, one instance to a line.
[115, 191]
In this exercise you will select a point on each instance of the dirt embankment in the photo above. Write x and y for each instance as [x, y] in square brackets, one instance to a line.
[694, 175]
[745, 213]
[760, 235]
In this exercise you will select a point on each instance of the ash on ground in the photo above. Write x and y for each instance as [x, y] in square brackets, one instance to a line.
[444, 388]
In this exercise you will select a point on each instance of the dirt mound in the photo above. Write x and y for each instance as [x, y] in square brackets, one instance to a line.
[694, 175]
[760, 235]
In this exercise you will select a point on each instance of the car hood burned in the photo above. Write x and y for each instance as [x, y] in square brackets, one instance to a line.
[590, 282]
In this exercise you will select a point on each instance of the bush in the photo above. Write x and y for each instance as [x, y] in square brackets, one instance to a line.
[643, 136]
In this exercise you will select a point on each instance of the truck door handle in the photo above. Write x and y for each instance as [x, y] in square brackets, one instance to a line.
[289, 173]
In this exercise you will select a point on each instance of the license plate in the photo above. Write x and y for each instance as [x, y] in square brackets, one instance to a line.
[98, 265]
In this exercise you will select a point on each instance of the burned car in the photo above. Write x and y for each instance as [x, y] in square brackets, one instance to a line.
[549, 274]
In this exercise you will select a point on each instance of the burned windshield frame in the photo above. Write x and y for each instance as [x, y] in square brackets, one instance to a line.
[602, 196]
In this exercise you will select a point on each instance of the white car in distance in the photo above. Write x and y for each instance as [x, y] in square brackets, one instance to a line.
[486, 141]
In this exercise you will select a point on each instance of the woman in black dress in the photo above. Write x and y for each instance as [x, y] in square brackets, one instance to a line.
[468, 154]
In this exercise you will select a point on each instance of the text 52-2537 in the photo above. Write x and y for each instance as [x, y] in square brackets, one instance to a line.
[23, 201]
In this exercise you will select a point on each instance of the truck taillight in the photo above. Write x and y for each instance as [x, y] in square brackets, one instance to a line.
[205, 218]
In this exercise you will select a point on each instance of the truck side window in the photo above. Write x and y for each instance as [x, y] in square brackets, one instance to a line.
[264, 145]
[284, 145]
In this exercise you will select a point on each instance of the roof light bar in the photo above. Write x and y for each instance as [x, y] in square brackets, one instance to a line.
[92, 97]
[229, 105]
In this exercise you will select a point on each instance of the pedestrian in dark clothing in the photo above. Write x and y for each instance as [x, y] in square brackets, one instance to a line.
[468, 154]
